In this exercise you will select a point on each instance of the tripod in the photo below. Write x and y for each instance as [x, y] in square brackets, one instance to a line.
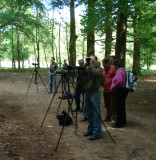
[35, 82]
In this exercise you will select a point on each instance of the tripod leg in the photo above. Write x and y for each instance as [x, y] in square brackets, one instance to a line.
[43, 83]
[49, 105]
[61, 132]
[59, 106]
[30, 84]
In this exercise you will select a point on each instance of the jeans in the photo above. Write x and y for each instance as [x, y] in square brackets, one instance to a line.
[94, 120]
[52, 80]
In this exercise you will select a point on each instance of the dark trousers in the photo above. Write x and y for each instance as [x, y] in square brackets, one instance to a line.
[109, 99]
[120, 95]
[78, 93]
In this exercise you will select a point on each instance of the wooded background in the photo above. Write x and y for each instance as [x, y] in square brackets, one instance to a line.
[123, 27]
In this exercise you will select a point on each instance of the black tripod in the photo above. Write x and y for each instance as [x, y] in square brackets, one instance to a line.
[35, 82]
[80, 85]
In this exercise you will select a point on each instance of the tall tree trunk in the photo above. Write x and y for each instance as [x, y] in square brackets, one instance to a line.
[108, 40]
[52, 37]
[45, 55]
[120, 48]
[90, 30]
[13, 54]
[136, 54]
[37, 39]
[67, 45]
[83, 48]
[22, 52]
[73, 36]
[18, 48]
[59, 44]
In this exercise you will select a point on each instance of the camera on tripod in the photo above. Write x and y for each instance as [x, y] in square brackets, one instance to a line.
[35, 64]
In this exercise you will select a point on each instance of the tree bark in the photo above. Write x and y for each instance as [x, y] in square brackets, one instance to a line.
[108, 40]
[136, 55]
[120, 48]
[90, 30]
[59, 44]
[13, 55]
[73, 36]
[18, 48]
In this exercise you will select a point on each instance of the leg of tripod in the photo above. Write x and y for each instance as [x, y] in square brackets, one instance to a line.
[50, 104]
[30, 83]
[62, 128]
[97, 113]
[43, 83]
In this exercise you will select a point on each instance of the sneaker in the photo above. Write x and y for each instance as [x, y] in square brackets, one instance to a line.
[87, 134]
[92, 138]
[84, 119]
[112, 122]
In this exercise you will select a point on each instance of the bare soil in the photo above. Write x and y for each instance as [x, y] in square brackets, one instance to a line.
[22, 138]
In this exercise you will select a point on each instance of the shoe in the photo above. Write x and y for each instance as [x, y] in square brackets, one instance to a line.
[92, 138]
[84, 119]
[87, 134]
[112, 122]
[81, 110]
[117, 126]
[76, 109]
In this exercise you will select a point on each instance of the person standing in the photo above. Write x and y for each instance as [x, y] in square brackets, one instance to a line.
[108, 74]
[93, 100]
[112, 59]
[65, 65]
[119, 88]
[52, 75]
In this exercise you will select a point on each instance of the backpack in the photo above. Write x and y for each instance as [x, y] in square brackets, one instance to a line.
[131, 82]
[64, 119]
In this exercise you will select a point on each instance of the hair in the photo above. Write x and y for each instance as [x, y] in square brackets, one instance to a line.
[113, 57]
[106, 60]
[53, 58]
[117, 63]
[94, 57]
[81, 61]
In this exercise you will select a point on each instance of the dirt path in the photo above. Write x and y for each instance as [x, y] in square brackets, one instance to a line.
[21, 136]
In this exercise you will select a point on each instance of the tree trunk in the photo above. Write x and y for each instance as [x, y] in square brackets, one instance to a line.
[53, 38]
[108, 40]
[37, 40]
[136, 55]
[90, 30]
[73, 36]
[45, 55]
[18, 49]
[59, 44]
[22, 52]
[83, 48]
[120, 48]
[13, 55]
[67, 44]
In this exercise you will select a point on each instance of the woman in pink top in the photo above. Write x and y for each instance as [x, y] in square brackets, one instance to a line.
[120, 92]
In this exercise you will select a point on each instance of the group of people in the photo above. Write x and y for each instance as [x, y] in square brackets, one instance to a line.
[88, 81]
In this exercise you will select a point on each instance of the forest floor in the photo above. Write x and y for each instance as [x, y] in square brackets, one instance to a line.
[22, 138]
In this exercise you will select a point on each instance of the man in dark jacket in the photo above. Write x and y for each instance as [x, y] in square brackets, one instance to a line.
[93, 99]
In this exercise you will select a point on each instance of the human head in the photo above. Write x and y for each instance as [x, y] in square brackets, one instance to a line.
[52, 59]
[112, 59]
[117, 64]
[106, 63]
[65, 61]
[93, 59]
[81, 62]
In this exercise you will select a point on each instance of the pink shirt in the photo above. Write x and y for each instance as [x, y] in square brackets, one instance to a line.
[119, 79]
